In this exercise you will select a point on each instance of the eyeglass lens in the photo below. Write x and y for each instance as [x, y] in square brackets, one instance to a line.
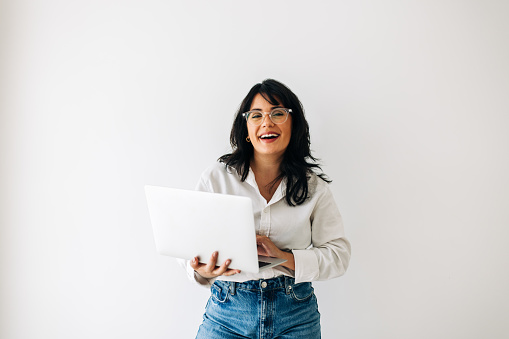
[278, 116]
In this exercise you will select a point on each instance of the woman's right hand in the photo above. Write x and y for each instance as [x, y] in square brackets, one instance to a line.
[210, 270]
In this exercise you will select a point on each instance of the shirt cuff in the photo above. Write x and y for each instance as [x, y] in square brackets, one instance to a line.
[193, 275]
[306, 266]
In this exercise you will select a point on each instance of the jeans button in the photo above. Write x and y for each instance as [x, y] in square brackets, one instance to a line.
[264, 284]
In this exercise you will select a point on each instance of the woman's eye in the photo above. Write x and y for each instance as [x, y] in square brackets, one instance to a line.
[256, 116]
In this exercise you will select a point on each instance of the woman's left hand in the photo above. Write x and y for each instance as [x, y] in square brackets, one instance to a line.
[267, 248]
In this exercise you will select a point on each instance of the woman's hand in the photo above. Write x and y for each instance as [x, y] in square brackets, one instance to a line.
[210, 270]
[267, 248]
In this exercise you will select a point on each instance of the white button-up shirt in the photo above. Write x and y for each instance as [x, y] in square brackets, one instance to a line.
[312, 231]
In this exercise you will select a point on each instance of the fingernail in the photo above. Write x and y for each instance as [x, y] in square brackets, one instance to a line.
[228, 262]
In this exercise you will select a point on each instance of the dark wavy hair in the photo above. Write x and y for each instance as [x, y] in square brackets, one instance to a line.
[298, 163]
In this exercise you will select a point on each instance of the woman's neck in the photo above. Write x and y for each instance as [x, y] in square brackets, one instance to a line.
[266, 170]
[266, 166]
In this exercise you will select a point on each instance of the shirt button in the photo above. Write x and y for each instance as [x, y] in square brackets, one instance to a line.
[264, 284]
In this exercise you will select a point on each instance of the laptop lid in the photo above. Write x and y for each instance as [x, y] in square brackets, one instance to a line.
[193, 223]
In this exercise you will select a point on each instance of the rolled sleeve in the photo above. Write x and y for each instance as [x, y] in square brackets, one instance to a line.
[306, 266]
[329, 255]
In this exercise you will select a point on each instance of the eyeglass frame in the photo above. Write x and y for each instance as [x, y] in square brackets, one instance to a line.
[287, 110]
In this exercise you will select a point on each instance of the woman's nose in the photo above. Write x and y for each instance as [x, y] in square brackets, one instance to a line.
[266, 120]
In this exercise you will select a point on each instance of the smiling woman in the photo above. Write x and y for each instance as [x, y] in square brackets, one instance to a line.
[295, 161]
[296, 219]
[269, 139]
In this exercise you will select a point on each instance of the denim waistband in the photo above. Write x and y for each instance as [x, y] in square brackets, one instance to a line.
[258, 285]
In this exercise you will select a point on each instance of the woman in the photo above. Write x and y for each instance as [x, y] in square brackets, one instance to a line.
[296, 219]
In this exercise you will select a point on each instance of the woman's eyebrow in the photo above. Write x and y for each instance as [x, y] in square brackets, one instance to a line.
[273, 107]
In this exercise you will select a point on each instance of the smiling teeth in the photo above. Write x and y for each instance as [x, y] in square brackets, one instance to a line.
[265, 136]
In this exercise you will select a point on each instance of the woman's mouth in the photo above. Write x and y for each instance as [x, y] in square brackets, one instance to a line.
[269, 137]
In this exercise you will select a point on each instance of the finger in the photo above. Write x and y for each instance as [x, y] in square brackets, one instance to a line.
[261, 250]
[195, 263]
[212, 263]
[262, 246]
[262, 240]
[221, 269]
[230, 272]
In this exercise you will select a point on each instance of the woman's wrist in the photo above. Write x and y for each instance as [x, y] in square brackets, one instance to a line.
[290, 260]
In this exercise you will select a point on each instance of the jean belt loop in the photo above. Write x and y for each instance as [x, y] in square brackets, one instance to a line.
[232, 287]
[288, 283]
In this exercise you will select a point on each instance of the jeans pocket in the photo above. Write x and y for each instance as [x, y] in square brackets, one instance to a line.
[219, 293]
[302, 291]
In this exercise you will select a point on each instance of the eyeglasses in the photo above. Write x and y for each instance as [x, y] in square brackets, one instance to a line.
[277, 116]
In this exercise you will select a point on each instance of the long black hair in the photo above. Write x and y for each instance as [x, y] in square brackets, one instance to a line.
[297, 163]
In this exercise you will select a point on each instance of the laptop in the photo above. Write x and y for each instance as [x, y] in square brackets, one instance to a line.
[193, 223]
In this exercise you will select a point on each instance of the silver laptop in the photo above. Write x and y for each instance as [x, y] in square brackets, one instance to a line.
[192, 223]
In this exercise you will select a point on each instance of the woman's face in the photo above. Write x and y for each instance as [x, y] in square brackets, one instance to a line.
[281, 133]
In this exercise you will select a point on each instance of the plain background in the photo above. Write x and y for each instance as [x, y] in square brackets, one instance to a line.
[408, 107]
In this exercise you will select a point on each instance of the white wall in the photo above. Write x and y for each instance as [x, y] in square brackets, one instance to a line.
[408, 107]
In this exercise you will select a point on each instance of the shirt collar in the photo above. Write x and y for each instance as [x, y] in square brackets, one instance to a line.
[279, 194]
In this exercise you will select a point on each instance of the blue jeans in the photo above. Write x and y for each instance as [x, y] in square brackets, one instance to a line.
[261, 309]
